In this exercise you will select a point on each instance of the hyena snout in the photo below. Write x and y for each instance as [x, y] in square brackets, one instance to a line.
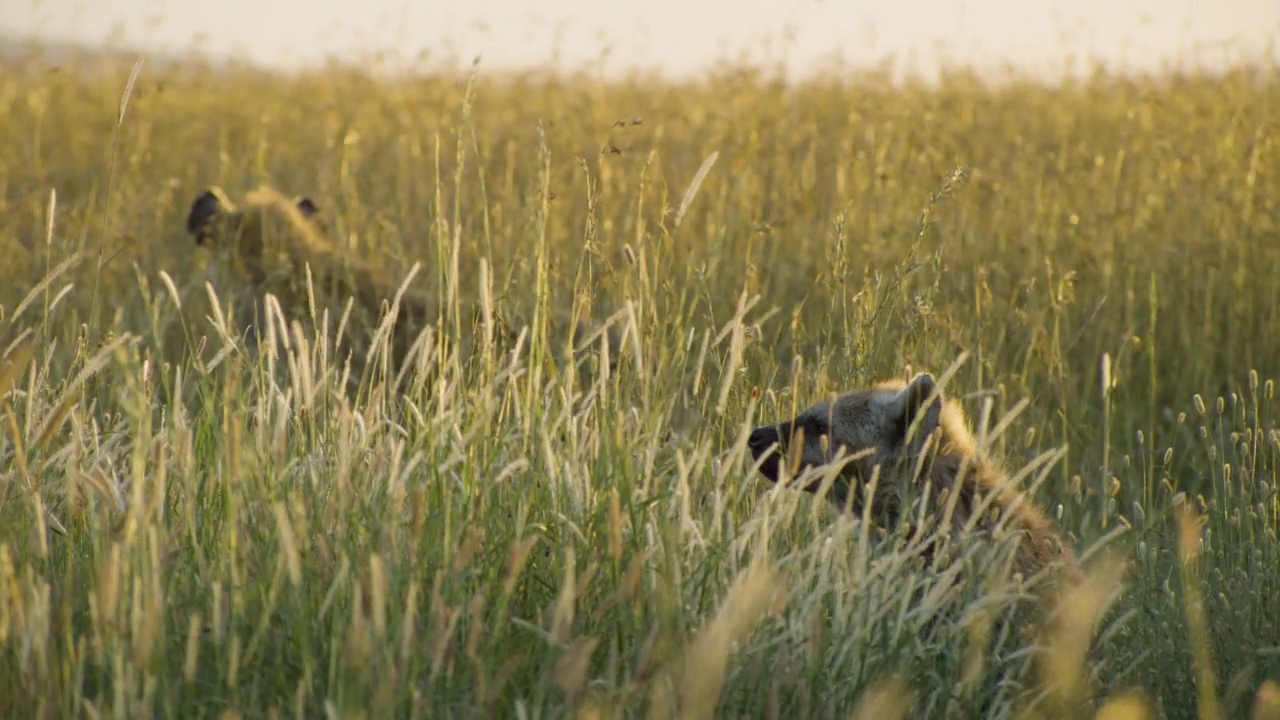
[768, 440]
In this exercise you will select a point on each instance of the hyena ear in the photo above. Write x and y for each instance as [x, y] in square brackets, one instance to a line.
[306, 207]
[204, 209]
[914, 403]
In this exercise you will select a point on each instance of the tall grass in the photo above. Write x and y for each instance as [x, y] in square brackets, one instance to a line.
[190, 527]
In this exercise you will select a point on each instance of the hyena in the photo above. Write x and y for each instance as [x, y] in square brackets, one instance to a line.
[272, 240]
[919, 441]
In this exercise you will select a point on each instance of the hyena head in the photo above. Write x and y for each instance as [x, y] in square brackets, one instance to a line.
[249, 242]
[214, 220]
[887, 425]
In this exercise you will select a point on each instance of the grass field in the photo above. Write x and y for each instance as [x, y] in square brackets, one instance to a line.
[189, 529]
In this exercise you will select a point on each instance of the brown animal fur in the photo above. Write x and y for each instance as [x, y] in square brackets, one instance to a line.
[874, 428]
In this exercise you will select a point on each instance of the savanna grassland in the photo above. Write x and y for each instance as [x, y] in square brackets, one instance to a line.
[189, 528]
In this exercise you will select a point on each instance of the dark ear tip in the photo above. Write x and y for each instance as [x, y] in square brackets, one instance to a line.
[922, 387]
[205, 207]
[923, 382]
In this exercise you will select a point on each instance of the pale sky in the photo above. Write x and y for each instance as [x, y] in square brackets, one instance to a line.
[675, 37]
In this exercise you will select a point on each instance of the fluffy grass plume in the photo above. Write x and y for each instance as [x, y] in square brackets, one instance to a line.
[190, 527]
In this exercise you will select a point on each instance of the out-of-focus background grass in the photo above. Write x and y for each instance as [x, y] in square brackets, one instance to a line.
[190, 529]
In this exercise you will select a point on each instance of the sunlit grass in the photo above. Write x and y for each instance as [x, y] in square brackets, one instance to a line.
[189, 527]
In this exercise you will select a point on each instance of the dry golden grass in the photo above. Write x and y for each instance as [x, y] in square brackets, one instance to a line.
[187, 529]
